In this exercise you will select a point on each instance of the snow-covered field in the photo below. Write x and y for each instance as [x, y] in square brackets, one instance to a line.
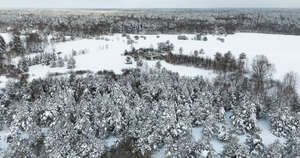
[106, 54]
[281, 50]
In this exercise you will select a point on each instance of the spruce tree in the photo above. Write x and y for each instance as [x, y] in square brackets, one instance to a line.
[2, 45]
[17, 45]
[71, 63]
[2, 51]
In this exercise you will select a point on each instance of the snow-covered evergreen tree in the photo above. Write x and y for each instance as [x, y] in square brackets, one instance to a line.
[17, 45]
[71, 63]
[244, 117]
[2, 46]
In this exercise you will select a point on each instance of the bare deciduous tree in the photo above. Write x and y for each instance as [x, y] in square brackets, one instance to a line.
[262, 70]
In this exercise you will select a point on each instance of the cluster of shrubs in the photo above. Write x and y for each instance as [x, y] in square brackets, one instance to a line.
[220, 63]
[49, 59]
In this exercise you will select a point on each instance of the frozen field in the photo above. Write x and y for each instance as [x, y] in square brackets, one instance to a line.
[281, 50]
[106, 53]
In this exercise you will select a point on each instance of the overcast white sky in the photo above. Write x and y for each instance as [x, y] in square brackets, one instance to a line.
[149, 3]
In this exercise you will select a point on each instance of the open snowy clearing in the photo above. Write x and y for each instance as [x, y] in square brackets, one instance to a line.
[106, 54]
[281, 50]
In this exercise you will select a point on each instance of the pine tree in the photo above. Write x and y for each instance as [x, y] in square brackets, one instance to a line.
[231, 148]
[128, 60]
[53, 63]
[180, 50]
[244, 117]
[71, 63]
[22, 65]
[17, 45]
[274, 150]
[60, 62]
[158, 65]
[2, 45]
[2, 52]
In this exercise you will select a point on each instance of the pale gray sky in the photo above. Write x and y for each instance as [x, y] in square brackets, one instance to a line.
[149, 3]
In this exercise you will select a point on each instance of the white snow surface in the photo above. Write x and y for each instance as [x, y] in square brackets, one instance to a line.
[217, 145]
[281, 50]
[266, 134]
[6, 36]
[197, 133]
[159, 154]
[111, 141]
[4, 133]
[3, 81]
[106, 54]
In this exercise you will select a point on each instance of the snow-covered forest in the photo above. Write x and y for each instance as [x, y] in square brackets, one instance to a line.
[151, 83]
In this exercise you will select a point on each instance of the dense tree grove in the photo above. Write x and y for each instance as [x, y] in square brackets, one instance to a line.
[73, 116]
[87, 22]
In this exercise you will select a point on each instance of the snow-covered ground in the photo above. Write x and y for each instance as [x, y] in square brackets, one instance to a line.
[106, 54]
[3, 81]
[111, 141]
[3, 140]
[7, 37]
[267, 136]
[159, 154]
[282, 50]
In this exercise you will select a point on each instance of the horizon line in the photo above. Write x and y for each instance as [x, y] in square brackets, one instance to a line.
[108, 8]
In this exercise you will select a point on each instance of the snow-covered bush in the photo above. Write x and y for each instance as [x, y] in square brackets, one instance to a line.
[244, 117]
